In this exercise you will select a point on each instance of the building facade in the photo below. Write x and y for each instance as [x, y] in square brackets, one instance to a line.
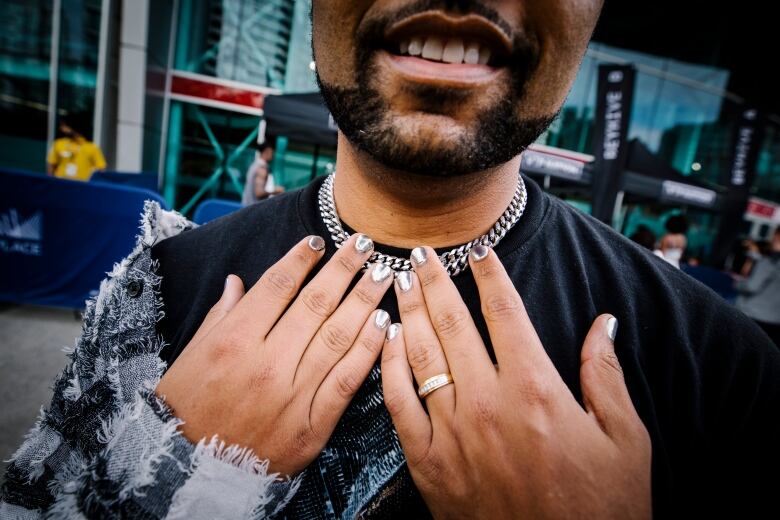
[176, 87]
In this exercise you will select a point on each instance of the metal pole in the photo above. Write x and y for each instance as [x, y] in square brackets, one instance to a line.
[100, 86]
[54, 70]
[167, 95]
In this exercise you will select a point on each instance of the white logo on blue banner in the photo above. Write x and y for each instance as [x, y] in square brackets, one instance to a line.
[21, 235]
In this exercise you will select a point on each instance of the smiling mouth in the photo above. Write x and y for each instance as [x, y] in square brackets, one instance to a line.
[444, 39]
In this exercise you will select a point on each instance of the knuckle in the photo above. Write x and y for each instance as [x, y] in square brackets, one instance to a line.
[347, 264]
[429, 277]
[430, 466]
[364, 296]
[487, 270]
[346, 384]
[303, 258]
[411, 306]
[228, 348]
[395, 401]
[535, 392]
[500, 307]
[261, 376]
[372, 345]
[280, 284]
[484, 411]
[336, 337]
[449, 322]
[318, 301]
[303, 439]
[608, 361]
[422, 354]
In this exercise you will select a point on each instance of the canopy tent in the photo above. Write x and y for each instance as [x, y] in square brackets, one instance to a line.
[645, 176]
[300, 117]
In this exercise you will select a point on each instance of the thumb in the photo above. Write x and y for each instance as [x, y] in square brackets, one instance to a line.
[604, 389]
[231, 294]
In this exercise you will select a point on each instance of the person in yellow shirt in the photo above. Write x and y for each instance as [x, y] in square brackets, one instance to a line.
[73, 156]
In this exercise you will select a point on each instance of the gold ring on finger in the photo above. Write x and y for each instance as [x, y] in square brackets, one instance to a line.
[432, 384]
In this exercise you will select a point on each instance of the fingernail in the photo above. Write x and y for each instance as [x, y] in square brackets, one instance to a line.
[404, 280]
[612, 327]
[380, 272]
[317, 243]
[382, 319]
[393, 331]
[479, 252]
[227, 280]
[363, 243]
[419, 256]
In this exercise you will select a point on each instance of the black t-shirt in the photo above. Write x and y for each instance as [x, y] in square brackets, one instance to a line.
[703, 378]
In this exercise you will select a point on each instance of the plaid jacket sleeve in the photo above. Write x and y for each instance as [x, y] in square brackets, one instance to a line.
[107, 446]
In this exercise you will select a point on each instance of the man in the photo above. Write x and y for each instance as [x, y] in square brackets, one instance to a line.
[759, 291]
[673, 243]
[259, 181]
[73, 156]
[522, 409]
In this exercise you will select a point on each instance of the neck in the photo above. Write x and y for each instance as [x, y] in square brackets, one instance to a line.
[406, 210]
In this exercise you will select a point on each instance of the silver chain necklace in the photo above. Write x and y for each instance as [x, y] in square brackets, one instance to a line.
[455, 260]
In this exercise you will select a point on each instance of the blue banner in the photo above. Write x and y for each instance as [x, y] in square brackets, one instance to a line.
[59, 238]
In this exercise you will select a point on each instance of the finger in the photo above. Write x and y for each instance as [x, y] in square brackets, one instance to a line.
[320, 298]
[466, 354]
[277, 287]
[514, 337]
[603, 387]
[339, 387]
[423, 350]
[339, 332]
[231, 295]
[411, 422]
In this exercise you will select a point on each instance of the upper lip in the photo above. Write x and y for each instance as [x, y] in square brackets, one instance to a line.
[467, 27]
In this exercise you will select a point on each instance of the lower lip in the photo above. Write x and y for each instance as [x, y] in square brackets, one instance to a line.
[453, 74]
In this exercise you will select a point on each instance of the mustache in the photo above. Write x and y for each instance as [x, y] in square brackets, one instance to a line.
[372, 32]
[370, 36]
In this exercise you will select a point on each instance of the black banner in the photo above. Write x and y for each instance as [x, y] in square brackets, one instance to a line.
[746, 145]
[610, 136]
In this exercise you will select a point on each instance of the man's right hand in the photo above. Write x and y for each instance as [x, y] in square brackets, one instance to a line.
[274, 370]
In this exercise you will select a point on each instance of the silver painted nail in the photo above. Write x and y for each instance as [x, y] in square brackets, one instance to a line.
[380, 272]
[612, 328]
[393, 331]
[317, 243]
[404, 280]
[382, 319]
[363, 243]
[419, 256]
[479, 252]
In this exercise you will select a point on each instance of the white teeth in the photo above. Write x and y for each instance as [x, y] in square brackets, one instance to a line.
[415, 47]
[449, 51]
[471, 56]
[484, 56]
[453, 51]
[433, 49]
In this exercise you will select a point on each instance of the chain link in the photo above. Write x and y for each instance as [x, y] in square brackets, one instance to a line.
[455, 260]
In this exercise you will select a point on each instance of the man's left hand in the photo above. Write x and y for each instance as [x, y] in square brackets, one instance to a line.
[509, 440]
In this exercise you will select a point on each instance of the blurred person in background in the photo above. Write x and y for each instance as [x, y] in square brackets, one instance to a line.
[759, 291]
[672, 245]
[260, 182]
[644, 236]
[73, 156]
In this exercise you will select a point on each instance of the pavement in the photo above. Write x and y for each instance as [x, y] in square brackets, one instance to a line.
[31, 356]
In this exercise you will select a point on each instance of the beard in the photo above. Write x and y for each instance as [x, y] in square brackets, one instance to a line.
[496, 135]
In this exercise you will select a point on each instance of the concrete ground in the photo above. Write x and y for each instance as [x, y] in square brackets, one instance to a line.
[31, 342]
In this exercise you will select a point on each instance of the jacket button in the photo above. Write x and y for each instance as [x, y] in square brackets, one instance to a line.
[134, 288]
